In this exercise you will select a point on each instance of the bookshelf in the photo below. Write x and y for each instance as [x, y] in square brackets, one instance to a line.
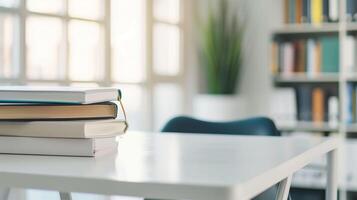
[291, 32]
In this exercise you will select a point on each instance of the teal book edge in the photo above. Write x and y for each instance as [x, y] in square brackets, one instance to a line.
[330, 54]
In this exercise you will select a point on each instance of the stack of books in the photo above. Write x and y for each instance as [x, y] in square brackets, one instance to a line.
[63, 121]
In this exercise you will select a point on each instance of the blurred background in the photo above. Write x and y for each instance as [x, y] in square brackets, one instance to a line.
[148, 48]
[290, 60]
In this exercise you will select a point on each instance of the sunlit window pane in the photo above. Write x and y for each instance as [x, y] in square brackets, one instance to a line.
[9, 3]
[166, 49]
[167, 10]
[168, 102]
[47, 6]
[128, 40]
[9, 48]
[135, 101]
[45, 48]
[86, 51]
[89, 9]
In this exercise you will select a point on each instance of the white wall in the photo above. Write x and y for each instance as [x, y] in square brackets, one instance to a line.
[256, 82]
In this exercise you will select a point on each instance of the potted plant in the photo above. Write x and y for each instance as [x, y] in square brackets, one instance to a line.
[220, 49]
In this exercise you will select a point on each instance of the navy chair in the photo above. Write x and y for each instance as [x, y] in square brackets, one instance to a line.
[253, 126]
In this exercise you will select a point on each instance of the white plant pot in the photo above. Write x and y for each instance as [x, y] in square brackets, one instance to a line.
[219, 107]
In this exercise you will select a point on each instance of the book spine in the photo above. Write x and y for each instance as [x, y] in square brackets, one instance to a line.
[311, 57]
[316, 11]
[305, 11]
[292, 9]
[298, 11]
[318, 105]
[286, 12]
[325, 10]
[349, 10]
[304, 102]
[333, 110]
[274, 58]
[349, 103]
[333, 10]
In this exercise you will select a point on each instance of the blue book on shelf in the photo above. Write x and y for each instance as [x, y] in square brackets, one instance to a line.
[350, 102]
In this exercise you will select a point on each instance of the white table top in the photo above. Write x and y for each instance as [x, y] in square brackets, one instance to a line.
[171, 166]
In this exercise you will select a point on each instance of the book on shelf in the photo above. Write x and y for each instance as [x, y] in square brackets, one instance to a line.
[37, 111]
[74, 95]
[317, 104]
[57, 146]
[318, 108]
[316, 11]
[310, 56]
[330, 54]
[352, 103]
[312, 11]
[304, 103]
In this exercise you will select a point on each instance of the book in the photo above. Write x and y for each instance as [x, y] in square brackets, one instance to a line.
[32, 111]
[304, 103]
[330, 54]
[301, 56]
[292, 10]
[317, 53]
[305, 11]
[275, 58]
[349, 10]
[311, 57]
[286, 11]
[333, 10]
[298, 11]
[349, 52]
[318, 111]
[316, 11]
[57, 146]
[64, 129]
[325, 10]
[75, 95]
[350, 103]
[333, 113]
[354, 11]
[288, 58]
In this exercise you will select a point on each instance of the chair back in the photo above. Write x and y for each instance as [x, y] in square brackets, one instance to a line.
[251, 126]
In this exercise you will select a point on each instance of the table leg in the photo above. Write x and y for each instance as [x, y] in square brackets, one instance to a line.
[65, 196]
[332, 177]
[283, 189]
[4, 193]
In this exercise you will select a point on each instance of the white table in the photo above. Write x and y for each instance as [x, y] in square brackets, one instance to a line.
[177, 166]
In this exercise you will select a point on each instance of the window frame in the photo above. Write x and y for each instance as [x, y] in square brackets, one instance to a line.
[148, 85]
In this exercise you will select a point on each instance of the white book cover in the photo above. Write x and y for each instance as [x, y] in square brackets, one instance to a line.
[57, 146]
[333, 9]
[349, 52]
[288, 66]
[64, 129]
[78, 95]
[311, 57]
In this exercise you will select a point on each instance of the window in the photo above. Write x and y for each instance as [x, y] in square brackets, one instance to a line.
[134, 45]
